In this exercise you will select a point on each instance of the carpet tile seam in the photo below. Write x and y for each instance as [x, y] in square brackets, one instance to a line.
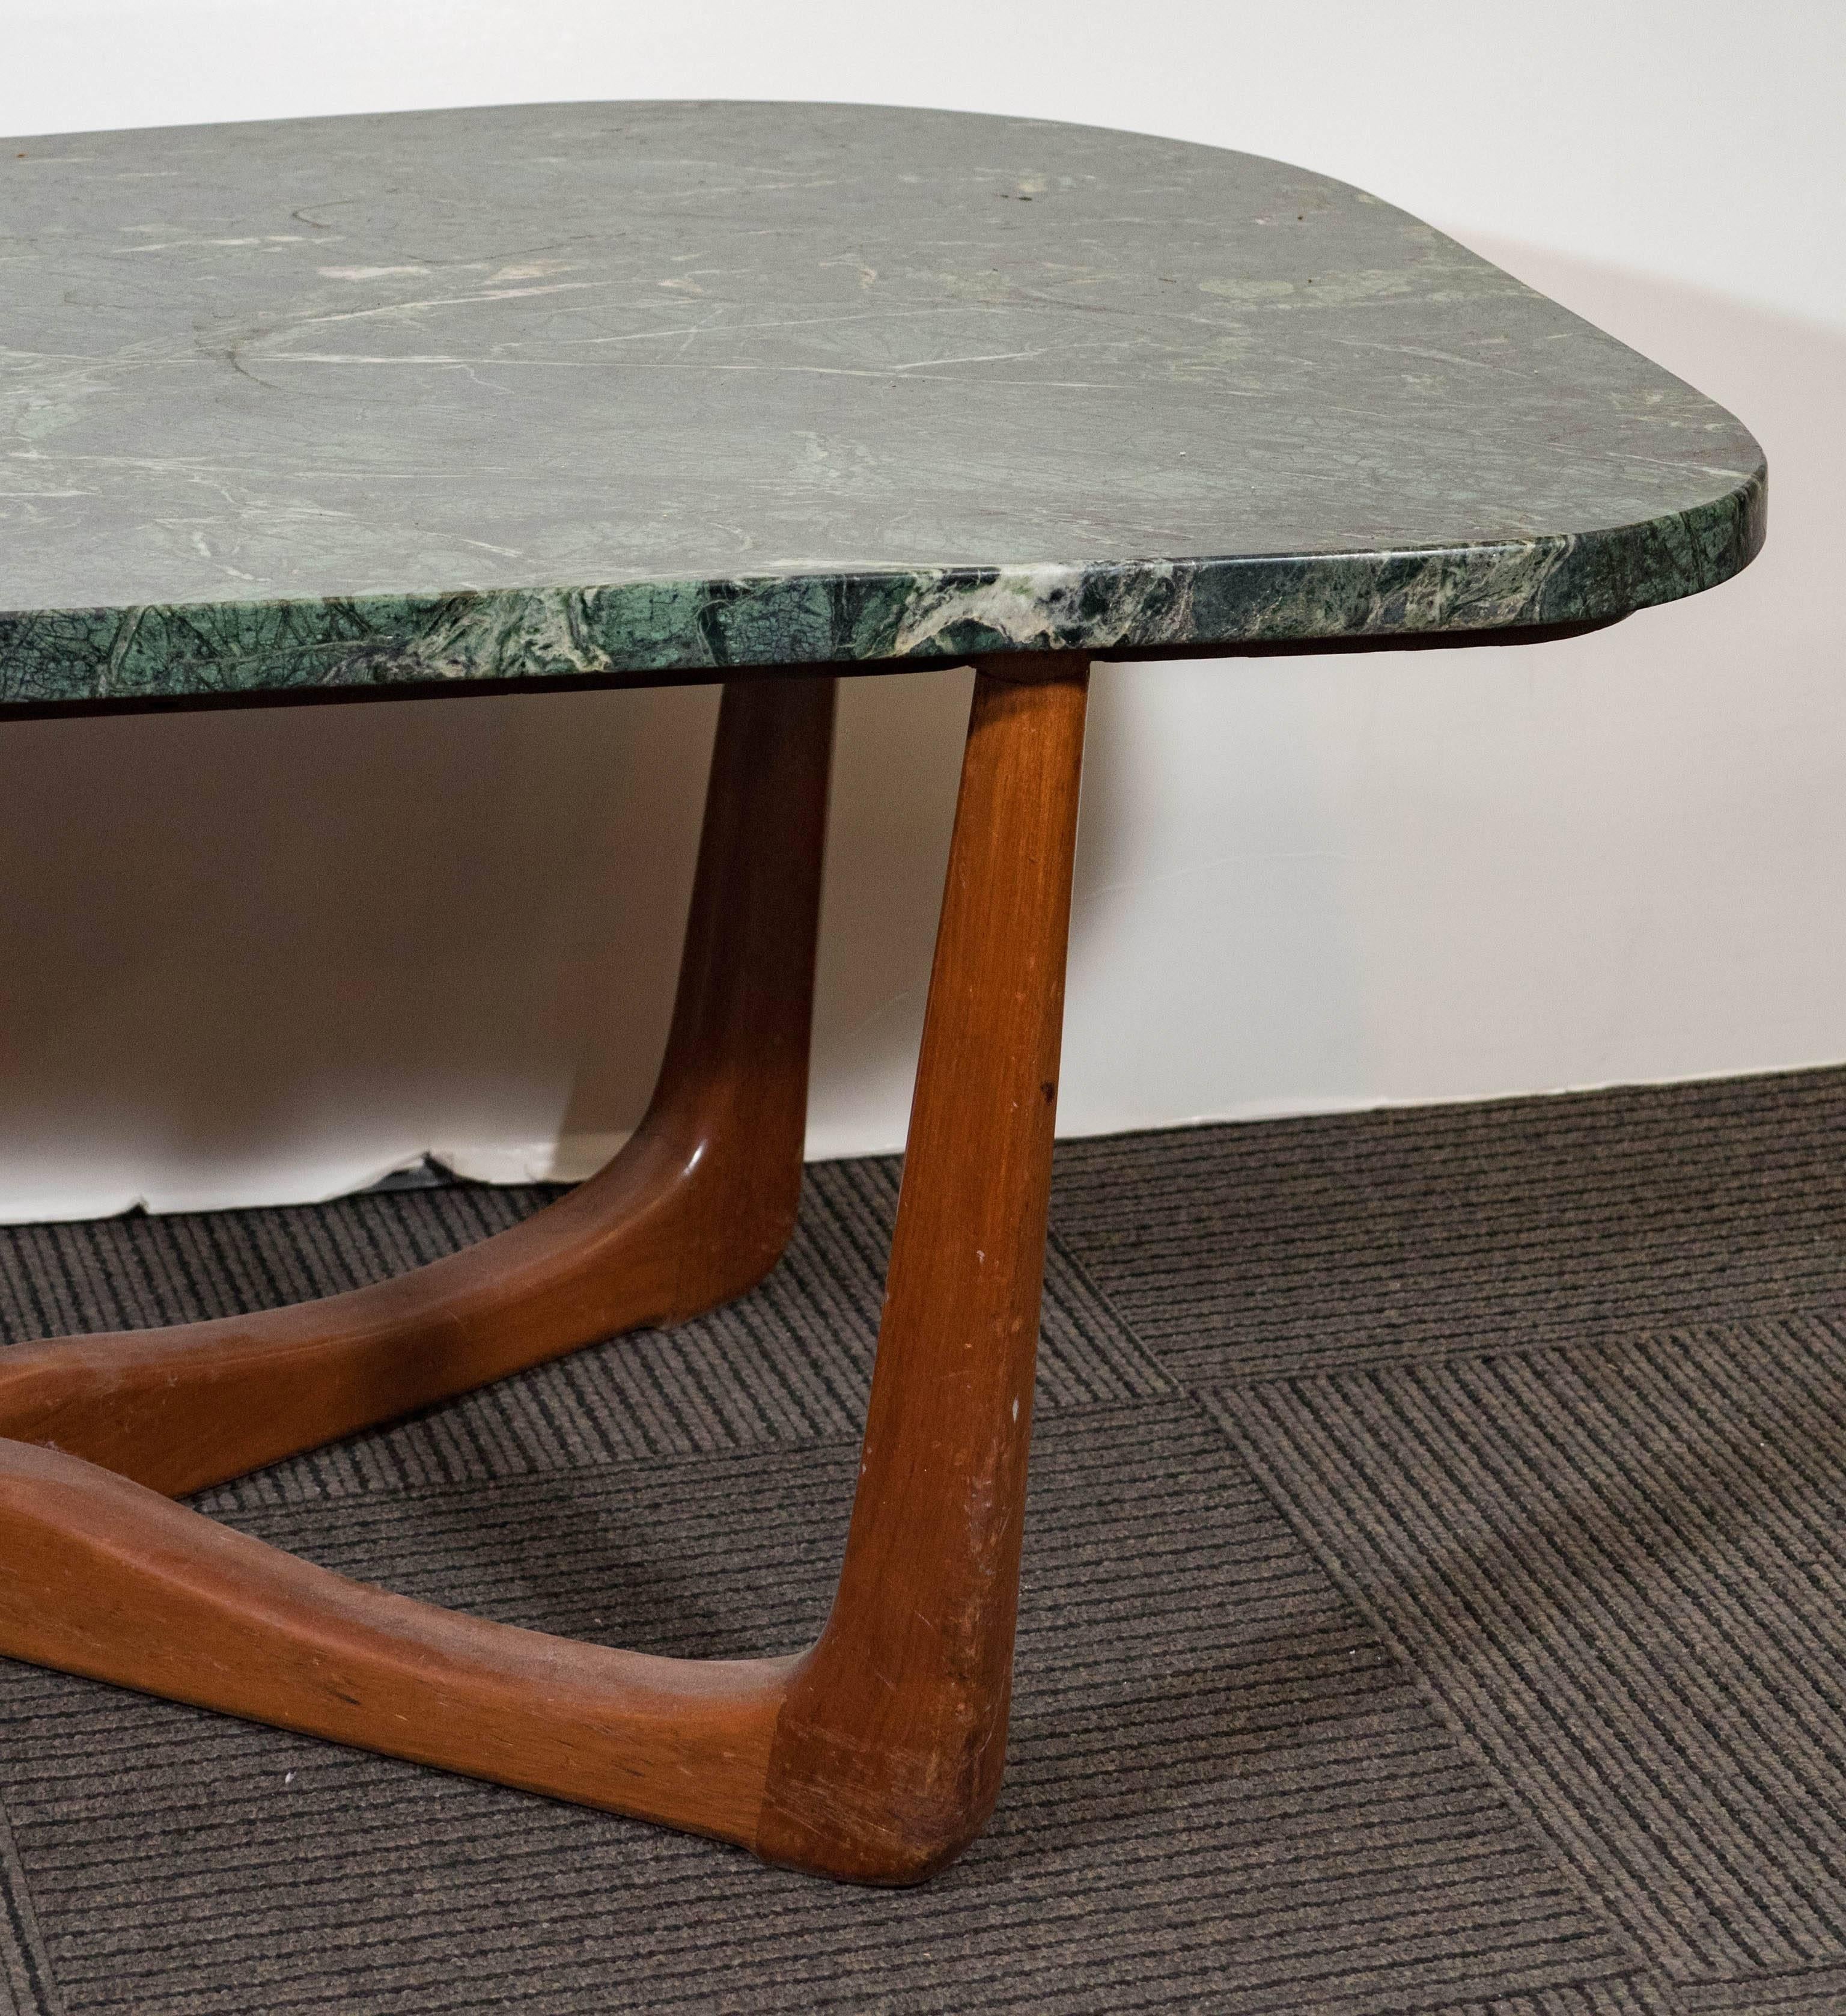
[1366, 1286]
[1571, 1869]
[1329, 1975]
[1613, 1849]
[431, 1422]
[1615, 1332]
[847, 1936]
[430, 1927]
[1392, 1218]
[964, 1899]
[1498, 2004]
[1818, 1969]
[1784, 1462]
[1079, 1272]
[1614, 1623]
[1358, 1305]
[1460, 1244]
[1207, 1910]
[1291, 1975]
[1394, 1796]
[29, 1983]
[1352, 1593]
[624, 1462]
[1582, 1822]
[1348, 1145]
[1666, 1562]
[1386, 1711]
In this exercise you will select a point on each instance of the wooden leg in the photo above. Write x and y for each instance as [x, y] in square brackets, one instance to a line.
[889, 1751]
[103, 1577]
[875, 1756]
[695, 1210]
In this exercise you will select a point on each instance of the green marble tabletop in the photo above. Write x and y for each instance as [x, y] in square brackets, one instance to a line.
[648, 389]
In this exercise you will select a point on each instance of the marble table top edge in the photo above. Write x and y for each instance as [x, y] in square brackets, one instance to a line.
[1255, 332]
[641, 631]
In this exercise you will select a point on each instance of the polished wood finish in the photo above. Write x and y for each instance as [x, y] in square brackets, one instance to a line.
[694, 1210]
[877, 1755]
[889, 1752]
[102, 1576]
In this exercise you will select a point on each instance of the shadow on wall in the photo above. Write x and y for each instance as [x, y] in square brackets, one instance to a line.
[1354, 881]
[270, 956]
[273, 954]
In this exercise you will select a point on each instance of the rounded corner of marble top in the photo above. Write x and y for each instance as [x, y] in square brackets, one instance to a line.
[650, 391]
[649, 633]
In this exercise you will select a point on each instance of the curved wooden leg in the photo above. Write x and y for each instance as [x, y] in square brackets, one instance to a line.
[695, 1210]
[876, 1756]
[103, 1577]
[889, 1751]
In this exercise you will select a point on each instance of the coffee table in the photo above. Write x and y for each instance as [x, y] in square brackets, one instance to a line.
[533, 397]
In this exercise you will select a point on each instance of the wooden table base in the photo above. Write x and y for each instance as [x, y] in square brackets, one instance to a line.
[875, 1756]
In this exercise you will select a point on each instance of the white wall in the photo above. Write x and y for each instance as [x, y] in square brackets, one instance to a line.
[267, 955]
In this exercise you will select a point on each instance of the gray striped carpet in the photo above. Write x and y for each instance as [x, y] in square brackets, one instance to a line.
[1434, 1602]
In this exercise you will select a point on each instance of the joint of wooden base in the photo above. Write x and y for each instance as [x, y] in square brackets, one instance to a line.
[862, 1805]
[1032, 668]
[876, 1756]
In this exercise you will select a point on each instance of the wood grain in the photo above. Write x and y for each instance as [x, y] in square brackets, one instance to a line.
[103, 1577]
[889, 1752]
[877, 1755]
